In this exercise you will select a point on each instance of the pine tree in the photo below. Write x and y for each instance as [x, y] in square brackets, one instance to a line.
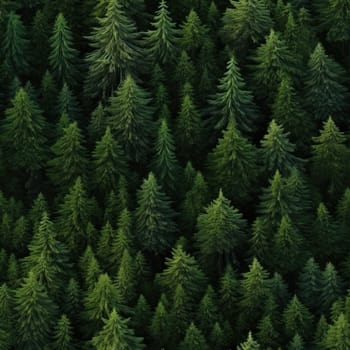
[63, 337]
[160, 325]
[296, 343]
[74, 215]
[161, 40]
[70, 157]
[194, 339]
[63, 56]
[182, 270]
[142, 316]
[24, 133]
[249, 344]
[7, 317]
[115, 51]
[109, 162]
[130, 119]
[277, 150]
[208, 313]
[321, 331]
[35, 314]
[297, 318]
[48, 94]
[233, 101]
[325, 92]
[165, 165]
[221, 229]
[155, 227]
[338, 335]
[116, 334]
[330, 158]
[15, 45]
[267, 335]
[229, 292]
[233, 164]
[246, 23]
[104, 246]
[185, 70]
[97, 123]
[288, 112]
[309, 285]
[273, 61]
[67, 103]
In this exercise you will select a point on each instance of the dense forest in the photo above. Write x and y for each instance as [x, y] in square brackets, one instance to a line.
[174, 174]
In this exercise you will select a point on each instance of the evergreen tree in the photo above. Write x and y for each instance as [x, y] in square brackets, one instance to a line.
[63, 337]
[267, 335]
[49, 94]
[63, 57]
[194, 339]
[165, 165]
[161, 40]
[208, 313]
[338, 335]
[24, 133]
[97, 123]
[246, 23]
[330, 158]
[325, 92]
[35, 314]
[115, 51]
[233, 163]
[155, 227]
[130, 119]
[14, 46]
[296, 343]
[160, 325]
[67, 103]
[116, 334]
[109, 162]
[249, 344]
[142, 315]
[233, 101]
[70, 157]
[221, 229]
[277, 150]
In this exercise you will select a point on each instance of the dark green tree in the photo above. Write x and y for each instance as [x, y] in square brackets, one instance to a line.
[249, 344]
[131, 119]
[155, 226]
[208, 313]
[48, 95]
[98, 122]
[338, 334]
[67, 103]
[63, 336]
[63, 57]
[194, 339]
[160, 325]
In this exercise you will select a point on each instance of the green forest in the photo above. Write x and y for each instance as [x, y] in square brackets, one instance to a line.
[174, 174]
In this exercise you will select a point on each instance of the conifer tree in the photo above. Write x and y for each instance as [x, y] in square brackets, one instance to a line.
[35, 314]
[277, 150]
[98, 122]
[115, 50]
[63, 336]
[67, 102]
[165, 165]
[229, 292]
[338, 335]
[325, 92]
[70, 157]
[267, 335]
[104, 246]
[185, 70]
[297, 318]
[233, 101]
[194, 339]
[296, 343]
[155, 227]
[109, 162]
[63, 56]
[116, 334]
[330, 158]
[48, 92]
[15, 45]
[273, 61]
[130, 119]
[208, 313]
[161, 40]
[249, 344]
[142, 316]
[72, 300]
[233, 164]
[182, 270]
[160, 325]
[24, 133]
[221, 229]
[246, 23]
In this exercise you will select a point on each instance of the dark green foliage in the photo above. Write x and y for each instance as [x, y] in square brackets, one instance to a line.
[194, 339]
[155, 225]
[338, 334]
[249, 344]
[63, 337]
[67, 103]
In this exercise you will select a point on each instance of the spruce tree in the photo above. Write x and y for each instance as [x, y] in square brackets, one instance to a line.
[221, 229]
[267, 335]
[131, 119]
[97, 123]
[35, 314]
[338, 334]
[63, 56]
[330, 158]
[109, 162]
[246, 23]
[325, 91]
[116, 334]
[14, 46]
[67, 103]
[194, 339]
[233, 102]
[249, 344]
[155, 227]
[24, 133]
[161, 40]
[165, 165]
[70, 157]
[233, 164]
[115, 51]
[277, 150]
[160, 325]
[63, 336]
[48, 92]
